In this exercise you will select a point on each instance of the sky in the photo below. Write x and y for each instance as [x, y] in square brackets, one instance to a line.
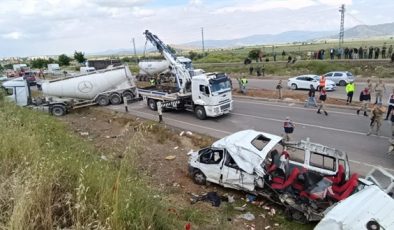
[53, 27]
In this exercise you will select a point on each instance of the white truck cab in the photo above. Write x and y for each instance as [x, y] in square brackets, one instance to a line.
[17, 91]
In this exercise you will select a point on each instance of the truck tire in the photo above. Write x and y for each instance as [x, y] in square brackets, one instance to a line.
[128, 95]
[200, 112]
[152, 104]
[115, 99]
[102, 100]
[58, 110]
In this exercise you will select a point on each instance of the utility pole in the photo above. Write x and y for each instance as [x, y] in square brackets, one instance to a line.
[202, 40]
[135, 52]
[342, 28]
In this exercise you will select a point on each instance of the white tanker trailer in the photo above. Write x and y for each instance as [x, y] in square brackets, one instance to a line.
[61, 95]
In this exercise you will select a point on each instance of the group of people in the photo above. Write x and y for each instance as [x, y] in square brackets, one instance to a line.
[356, 53]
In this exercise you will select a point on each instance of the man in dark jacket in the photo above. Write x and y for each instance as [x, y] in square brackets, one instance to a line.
[365, 98]
[311, 97]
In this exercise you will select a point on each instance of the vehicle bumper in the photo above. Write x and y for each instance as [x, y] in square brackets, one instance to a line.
[218, 110]
[331, 88]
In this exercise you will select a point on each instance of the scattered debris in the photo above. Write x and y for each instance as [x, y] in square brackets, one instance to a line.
[241, 209]
[247, 216]
[181, 134]
[262, 216]
[188, 133]
[170, 157]
[267, 227]
[104, 158]
[212, 197]
[84, 133]
[272, 212]
[230, 199]
[250, 198]
[175, 185]
[176, 147]
[276, 224]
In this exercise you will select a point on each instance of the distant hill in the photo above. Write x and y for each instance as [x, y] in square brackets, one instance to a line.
[361, 31]
[365, 31]
[285, 37]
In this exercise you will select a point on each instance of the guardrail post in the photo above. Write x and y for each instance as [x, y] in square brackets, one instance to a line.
[126, 108]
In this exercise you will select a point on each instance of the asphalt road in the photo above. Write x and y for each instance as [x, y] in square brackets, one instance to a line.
[338, 93]
[341, 129]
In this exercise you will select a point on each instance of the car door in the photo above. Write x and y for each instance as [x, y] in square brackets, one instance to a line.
[234, 177]
[300, 81]
[308, 82]
[210, 163]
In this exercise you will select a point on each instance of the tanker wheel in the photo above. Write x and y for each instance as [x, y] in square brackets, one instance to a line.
[115, 99]
[128, 95]
[152, 104]
[58, 110]
[102, 100]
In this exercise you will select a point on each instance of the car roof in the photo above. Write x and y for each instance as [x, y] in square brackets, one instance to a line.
[245, 154]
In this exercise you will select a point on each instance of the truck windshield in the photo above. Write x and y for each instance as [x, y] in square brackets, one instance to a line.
[220, 84]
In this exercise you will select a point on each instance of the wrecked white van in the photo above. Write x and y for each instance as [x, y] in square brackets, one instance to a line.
[249, 160]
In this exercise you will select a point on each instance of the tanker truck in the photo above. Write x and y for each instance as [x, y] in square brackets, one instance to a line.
[102, 87]
[161, 69]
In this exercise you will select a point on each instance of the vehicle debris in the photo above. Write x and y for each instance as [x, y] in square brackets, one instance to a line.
[247, 216]
[170, 157]
[84, 133]
[211, 197]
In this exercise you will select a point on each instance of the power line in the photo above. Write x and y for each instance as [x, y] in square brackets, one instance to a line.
[342, 28]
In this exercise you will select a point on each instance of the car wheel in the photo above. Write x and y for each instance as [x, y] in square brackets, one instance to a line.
[342, 83]
[152, 104]
[199, 178]
[200, 112]
[293, 86]
[58, 110]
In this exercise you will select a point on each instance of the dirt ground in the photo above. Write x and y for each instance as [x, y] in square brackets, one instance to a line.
[112, 133]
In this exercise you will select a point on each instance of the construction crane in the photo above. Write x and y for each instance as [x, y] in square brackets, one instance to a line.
[182, 75]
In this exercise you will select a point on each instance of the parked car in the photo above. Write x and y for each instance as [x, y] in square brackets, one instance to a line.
[304, 82]
[340, 77]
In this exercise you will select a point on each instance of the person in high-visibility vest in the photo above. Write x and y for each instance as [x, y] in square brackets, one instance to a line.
[152, 81]
[322, 82]
[349, 91]
[243, 82]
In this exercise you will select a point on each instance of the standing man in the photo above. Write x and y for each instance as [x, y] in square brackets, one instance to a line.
[160, 111]
[288, 127]
[322, 82]
[365, 98]
[258, 71]
[380, 88]
[349, 91]
[322, 98]
[243, 81]
[376, 119]
[391, 140]
[311, 97]
[391, 105]
[250, 70]
[279, 88]
[152, 81]
[390, 51]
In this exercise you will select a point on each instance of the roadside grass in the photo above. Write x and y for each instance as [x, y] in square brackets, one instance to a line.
[50, 178]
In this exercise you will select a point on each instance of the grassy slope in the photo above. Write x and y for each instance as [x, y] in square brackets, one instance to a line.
[50, 178]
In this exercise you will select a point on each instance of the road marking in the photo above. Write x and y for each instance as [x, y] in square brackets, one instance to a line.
[305, 124]
[293, 107]
[227, 133]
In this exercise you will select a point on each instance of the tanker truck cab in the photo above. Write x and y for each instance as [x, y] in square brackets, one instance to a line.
[17, 91]
[211, 95]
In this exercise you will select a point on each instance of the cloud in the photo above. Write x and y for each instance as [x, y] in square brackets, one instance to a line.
[142, 13]
[262, 5]
[13, 35]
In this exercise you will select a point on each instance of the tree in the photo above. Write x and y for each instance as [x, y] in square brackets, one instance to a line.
[39, 63]
[79, 56]
[193, 55]
[1, 68]
[64, 60]
[254, 54]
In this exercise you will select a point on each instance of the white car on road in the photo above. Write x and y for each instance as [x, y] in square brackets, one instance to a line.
[304, 82]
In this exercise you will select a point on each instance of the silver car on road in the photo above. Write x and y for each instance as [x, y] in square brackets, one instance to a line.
[340, 77]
